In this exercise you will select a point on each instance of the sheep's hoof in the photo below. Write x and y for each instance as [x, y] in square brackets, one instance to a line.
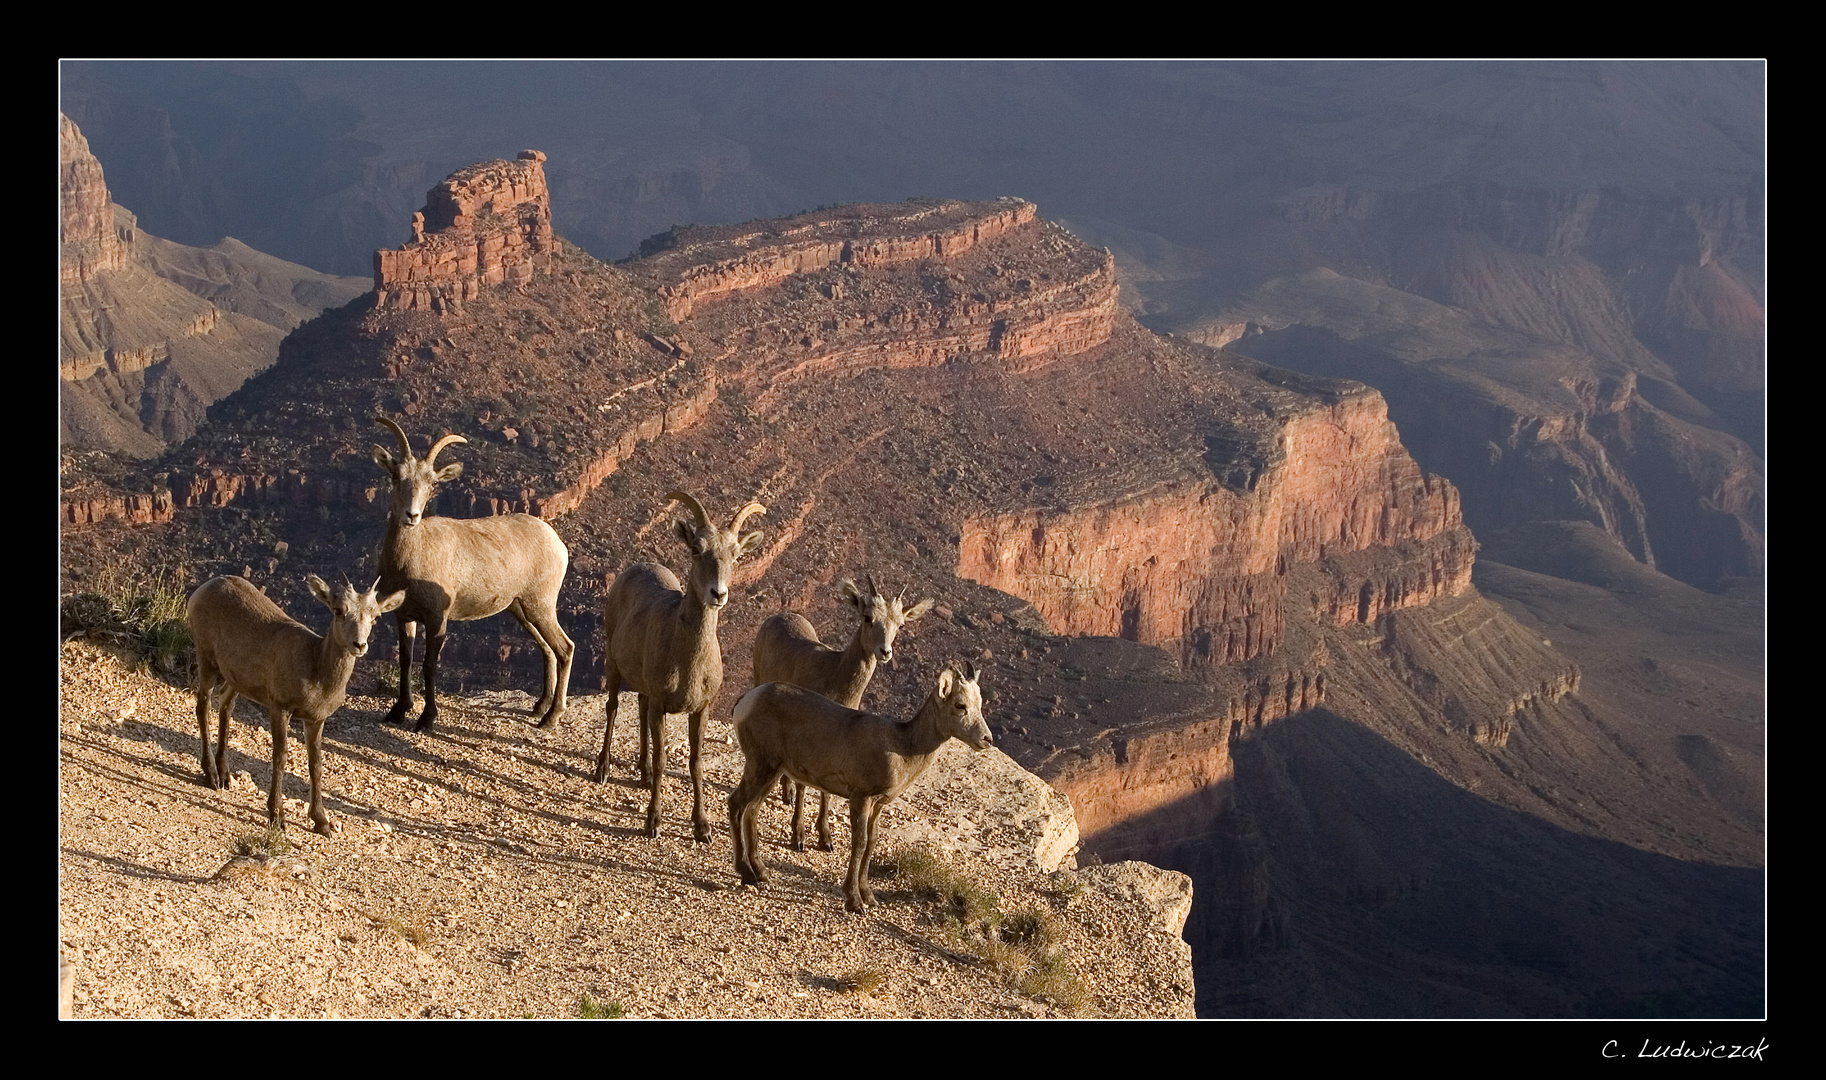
[398, 713]
[425, 722]
[824, 844]
[853, 904]
[700, 833]
[798, 843]
[326, 827]
[651, 830]
[601, 775]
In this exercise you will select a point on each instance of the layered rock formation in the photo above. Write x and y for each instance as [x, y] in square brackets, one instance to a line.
[141, 356]
[488, 224]
[1205, 569]
[1158, 553]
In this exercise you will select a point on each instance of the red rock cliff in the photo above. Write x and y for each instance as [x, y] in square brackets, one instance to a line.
[1205, 567]
[488, 224]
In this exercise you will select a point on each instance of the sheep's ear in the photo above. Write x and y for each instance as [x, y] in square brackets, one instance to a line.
[851, 595]
[393, 602]
[749, 544]
[947, 682]
[385, 461]
[320, 591]
[450, 472]
[921, 608]
[687, 535]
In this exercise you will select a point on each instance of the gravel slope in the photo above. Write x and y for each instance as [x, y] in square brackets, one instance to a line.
[479, 873]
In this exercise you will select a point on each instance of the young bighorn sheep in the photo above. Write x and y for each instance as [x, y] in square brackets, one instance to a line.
[787, 650]
[661, 639]
[467, 568]
[863, 757]
[249, 646]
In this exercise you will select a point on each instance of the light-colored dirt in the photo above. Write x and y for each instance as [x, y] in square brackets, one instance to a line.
[477, 872]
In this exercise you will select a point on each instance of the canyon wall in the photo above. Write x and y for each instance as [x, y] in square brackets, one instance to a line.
[488, 224]
[1204, 568]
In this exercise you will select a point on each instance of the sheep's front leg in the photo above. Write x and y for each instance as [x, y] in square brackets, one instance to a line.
[434, 644]
[653, 729]
[313, 751]
[700, 825]
[275, 794]
[408, 633]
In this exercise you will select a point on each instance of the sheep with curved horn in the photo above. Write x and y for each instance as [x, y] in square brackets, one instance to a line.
[458, 569]
[787, 649]
[660, 638]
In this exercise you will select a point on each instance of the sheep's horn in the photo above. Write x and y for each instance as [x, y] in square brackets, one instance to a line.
[874, 589]
[744, 514]
[440, 444]
[696, 508]
[405, 444]
[376, 584]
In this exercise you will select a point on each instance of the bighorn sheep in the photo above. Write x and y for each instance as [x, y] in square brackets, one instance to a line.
[467, 568]
[864, 757]
[249, 646]
[787, 650]
[661, 639]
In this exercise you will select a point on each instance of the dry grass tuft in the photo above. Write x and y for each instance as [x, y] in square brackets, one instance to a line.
[862, 981]
[1026, 947]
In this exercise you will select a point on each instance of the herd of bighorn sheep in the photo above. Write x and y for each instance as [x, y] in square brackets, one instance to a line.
[799, 724]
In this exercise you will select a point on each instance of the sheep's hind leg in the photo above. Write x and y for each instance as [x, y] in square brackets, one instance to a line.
[227, 709]
[275, 794]
[563, 651]
[612, 679]
[205, 680]
[798, 802]
[868, 848]
[744, 804]
[859, 840]
[824, 822]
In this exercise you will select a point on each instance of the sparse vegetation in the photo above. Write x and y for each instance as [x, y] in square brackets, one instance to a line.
[265, 846]
[142, 609]
[1026, 946]
[588, 1008]
[861, 981]
[413, 931]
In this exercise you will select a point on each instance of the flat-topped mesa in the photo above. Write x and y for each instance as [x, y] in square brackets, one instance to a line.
[487, 224]
[1204, 565]
[704, 262]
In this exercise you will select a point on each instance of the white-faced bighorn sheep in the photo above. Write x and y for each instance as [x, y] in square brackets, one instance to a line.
[467, 568]
[661, 639]
[787, 649]
[863, 757]
[249, 646]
